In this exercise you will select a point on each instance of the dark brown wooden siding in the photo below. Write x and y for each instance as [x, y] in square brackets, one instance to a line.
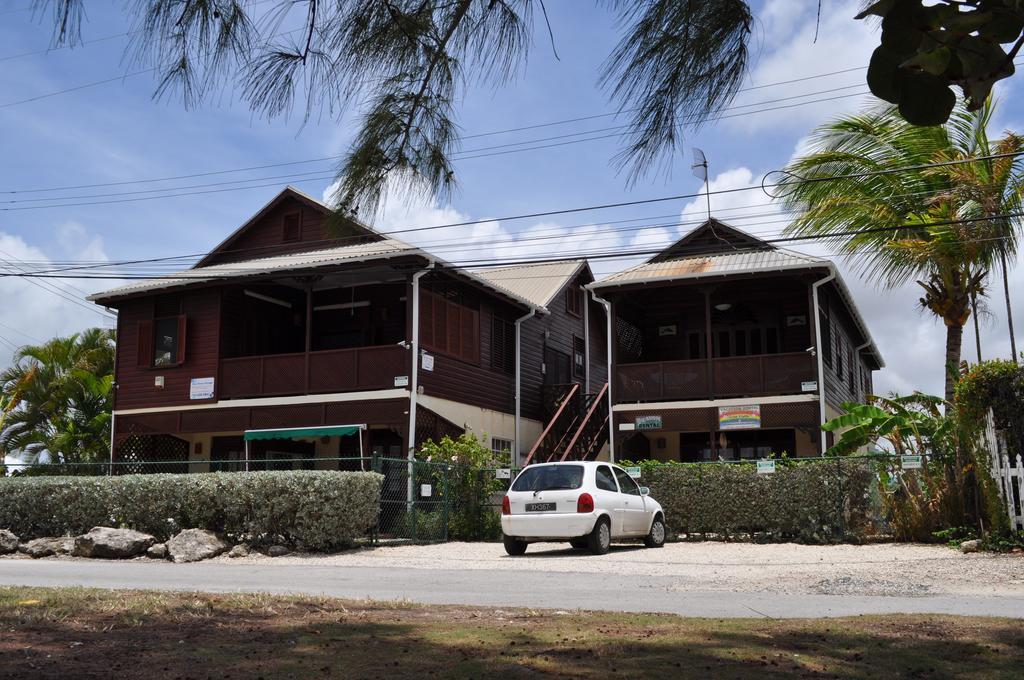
[135, 384]
[556, 331]
[265, 236]
[470, 382]
[845, 338]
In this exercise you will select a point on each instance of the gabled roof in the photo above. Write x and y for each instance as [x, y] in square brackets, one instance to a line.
[716, 249]
[713, 236]
[378, 250]
[381, 249]
[538, 282]
[720, 264]
[289, 192]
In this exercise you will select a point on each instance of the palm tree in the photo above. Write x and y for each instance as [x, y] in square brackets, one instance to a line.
[60, 393]
[906, 226]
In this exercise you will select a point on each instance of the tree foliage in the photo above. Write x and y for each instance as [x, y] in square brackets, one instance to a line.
[928, 46]
[405, 63]
[918, 502]
[60, 397]
[942, 222]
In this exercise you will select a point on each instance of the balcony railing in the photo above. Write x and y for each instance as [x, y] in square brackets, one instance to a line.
[336, 370]
[760, 375]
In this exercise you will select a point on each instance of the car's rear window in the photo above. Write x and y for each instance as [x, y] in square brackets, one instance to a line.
[549, 478]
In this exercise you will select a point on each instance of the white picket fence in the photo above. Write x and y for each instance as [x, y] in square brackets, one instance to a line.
[1007, 472]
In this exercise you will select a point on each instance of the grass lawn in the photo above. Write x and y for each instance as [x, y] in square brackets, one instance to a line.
[61, 633]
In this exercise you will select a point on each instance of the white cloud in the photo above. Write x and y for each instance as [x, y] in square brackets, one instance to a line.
[789, 50]
[40, 308]
[489, 241]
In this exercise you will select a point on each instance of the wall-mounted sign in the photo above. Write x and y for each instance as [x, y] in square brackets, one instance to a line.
[667, 330]
[910, 462]
[200, 388]
[401, 381]
[426, 491]
[739, 417]
[648, 423]
[765, 467]
[427, 362]
[503, 473]
[809, 386]
[633, 472]
[796, 320]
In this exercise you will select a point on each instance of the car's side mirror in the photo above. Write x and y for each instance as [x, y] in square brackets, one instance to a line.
[644, 491]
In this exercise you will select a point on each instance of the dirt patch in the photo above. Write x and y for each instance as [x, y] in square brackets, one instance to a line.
[142, 635]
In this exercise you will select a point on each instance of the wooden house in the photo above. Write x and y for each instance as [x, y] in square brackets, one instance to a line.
[725, 346]
[291, 342]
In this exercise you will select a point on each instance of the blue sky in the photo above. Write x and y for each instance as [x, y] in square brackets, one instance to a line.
[116, 132]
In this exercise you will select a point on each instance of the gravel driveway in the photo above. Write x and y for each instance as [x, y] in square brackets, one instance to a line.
[881, 570]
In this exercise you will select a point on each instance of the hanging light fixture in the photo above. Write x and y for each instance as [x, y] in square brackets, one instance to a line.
[723, 306]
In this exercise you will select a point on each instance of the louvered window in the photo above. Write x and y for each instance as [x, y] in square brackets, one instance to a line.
[503, 340]
[574, 300]
[449, 328]
[292, 228]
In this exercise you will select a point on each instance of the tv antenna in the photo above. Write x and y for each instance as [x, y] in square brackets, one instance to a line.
[700, 171]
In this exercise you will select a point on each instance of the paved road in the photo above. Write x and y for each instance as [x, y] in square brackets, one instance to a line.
[483, 587]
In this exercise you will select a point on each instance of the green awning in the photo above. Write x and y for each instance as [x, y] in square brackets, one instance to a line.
[303, 432]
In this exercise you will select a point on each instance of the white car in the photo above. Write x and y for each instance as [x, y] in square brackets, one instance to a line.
[589, 504]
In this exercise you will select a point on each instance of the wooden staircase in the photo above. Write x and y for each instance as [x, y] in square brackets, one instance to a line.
[577, 430]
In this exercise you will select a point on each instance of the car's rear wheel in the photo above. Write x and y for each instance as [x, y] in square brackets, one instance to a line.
[600, 539]
[514, 546]
[656, 536]
[579, 543]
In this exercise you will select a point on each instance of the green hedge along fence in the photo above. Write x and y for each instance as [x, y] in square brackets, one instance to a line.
[309, 509]
[820, 501]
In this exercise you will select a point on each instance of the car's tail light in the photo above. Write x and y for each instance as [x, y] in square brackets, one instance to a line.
[506, 506]
[585, 503]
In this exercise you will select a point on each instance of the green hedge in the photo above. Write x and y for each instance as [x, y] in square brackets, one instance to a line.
[817, 502]
[310, 509]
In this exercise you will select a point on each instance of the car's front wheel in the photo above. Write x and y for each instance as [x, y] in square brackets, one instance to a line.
[513, 546]
[656, 536]
[600, 539]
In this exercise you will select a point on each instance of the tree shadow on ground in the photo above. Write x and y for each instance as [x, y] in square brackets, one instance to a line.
[198, 636]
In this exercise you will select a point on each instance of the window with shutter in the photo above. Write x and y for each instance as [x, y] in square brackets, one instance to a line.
[144, 357]
[292, 227]
[574, 300]
[426, 319]
[182, 335]
[449, 328]
[503, 337]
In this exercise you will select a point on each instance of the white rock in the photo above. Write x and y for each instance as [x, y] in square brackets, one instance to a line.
[192, 545]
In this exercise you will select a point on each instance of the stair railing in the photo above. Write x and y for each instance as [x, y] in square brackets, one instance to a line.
[556, 427]
[590, 426]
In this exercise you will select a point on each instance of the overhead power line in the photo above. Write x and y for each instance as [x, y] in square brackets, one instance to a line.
[200, 274]
[336, 241]
[457, 155]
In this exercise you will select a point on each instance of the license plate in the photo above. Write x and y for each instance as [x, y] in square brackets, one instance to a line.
[540, 507]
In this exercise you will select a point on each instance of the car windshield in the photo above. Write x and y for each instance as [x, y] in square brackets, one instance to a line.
[549, 478]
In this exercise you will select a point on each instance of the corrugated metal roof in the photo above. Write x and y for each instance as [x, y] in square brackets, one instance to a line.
[266, 265]
[536, 282]
[738, 262]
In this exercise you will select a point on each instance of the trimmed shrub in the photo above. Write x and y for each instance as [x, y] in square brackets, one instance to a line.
[813, 502]
[310, 509]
